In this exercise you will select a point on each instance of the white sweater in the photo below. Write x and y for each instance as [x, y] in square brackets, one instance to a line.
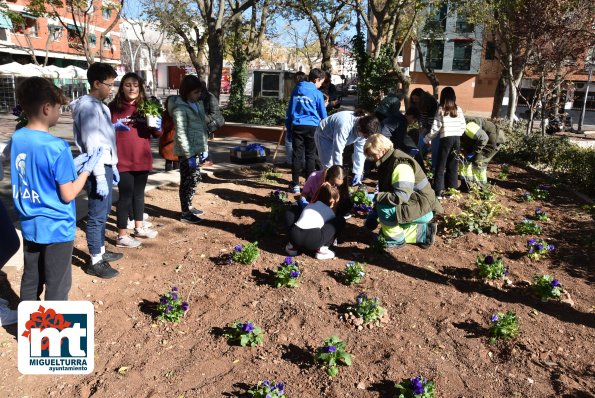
[447, 126]
[315, 215]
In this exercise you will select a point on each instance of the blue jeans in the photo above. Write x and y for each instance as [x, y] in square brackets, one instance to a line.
[99, 209]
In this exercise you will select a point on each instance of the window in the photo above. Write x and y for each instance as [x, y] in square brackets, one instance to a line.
[434, 54]
[437, 18]
[107, 43]
[462, 25]
[74, 40]
[3, 34]
[106, 11]
[92, 40]
[462, 55]
[490, 50]
[28, 26]
[55, 32]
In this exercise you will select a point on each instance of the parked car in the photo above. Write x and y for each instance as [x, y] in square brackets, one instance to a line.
[352, 89]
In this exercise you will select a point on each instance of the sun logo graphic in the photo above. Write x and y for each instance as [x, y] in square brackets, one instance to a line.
[20, 165]
[56, 337]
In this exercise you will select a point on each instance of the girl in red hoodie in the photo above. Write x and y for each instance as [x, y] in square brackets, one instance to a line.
[135, 159]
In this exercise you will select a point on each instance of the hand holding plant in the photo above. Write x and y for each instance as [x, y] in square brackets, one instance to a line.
[379, 244]
[332, 355]
[244, 333]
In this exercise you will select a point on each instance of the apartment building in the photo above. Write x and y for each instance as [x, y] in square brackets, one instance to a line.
[59, 41]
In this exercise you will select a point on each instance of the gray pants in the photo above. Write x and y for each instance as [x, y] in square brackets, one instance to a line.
[49, 265]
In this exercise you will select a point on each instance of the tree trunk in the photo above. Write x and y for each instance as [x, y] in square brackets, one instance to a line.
[429, 72]
[215, 42]
[498, 96]
[557, 92]
[239, 77]
[325, 50]
[513, 85]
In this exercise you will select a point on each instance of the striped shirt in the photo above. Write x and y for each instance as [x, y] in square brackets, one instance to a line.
[447, 126]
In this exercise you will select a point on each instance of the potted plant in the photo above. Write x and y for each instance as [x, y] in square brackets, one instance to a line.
[152, 111]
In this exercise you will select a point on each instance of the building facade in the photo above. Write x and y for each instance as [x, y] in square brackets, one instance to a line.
[56, 37]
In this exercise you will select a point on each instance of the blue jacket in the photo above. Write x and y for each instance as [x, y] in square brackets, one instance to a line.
[306, 106]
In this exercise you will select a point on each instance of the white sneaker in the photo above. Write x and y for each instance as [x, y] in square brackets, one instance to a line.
[290, 250]
[145, 232]
[131, 224]
[324, 253]
[127, 241]
[195, 211]
[7, 316]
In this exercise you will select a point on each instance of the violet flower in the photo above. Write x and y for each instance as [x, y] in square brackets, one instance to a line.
[555, 283]
[494, 318]
[417, 386]
[287, 260]
[489, 260]
[331, 348]
[248, 327]
[238, 248]
[174, 296]
[294, 274]
[184, 306]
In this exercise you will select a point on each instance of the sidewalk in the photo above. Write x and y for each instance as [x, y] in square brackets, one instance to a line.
[218, 151]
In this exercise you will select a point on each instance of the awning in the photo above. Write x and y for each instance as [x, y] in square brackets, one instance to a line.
[30, 16]
[5, 21]
[74, 27]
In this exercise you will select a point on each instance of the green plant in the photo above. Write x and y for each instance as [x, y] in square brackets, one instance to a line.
[361, 201]
[527, 227]
[379, 244]
[452, 193]
[478, 213]
[332, 355]
[541, 192]
[21, 119]
[547, 287]
[267, 176]
[368, 309]
[504, 171]
[504, 326]
[288, 274]
[171, 308]
[527, 197]
[150, 108]
[246, 254]
[491, 268]
[263, 111]
[540, 215]
[278, 201]
[244, 334]
[417, 387]
[354, 273]
[538, 249]
[267, 389]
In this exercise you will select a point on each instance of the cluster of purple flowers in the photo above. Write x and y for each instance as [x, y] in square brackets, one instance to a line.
[170, 300]
[288, 261]
[17, 110]
[279, 387]
[362, 207]
[535, 246]
[417, 385]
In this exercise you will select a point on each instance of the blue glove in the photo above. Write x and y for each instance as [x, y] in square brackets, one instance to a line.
[159, 122]
[192, 162]
[470, 156]
[80, 161]
[116, 176]
[102, 188]
[303, 202]
[120, 126]
[92, 159]
[356, 180]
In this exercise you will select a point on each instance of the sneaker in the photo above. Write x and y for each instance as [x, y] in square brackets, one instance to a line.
[145, 233]
[101, 269]
[196, 212]
[111, 256]
[127, 241]
[294, 188]
[189, 218]
[146, 224]
[430, 235]
[324, 253]
[290, 250]
[7, 316]
[347, 216]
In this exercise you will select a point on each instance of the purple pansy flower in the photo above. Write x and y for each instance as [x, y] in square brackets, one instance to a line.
[174, 295]
[417, 386]
[550, 247]
[184, 306]
[494, 318]
[532, 241]
[174, 289]
[168, 309]
[531, 250]
[489, 260]
[280, 387]
[555, 283]
[506, 273]
[294, 274]
[248, 327]
[238, 248]
[331, 348]
[539, 246]
[163, 300]
[287, 260]
[266, 383]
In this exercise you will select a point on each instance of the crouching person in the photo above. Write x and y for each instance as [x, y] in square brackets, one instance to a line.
[317, 226]
[480, 143]
[405, 203]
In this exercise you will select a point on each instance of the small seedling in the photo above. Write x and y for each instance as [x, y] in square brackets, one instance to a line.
[332, 355]
[354, 273]
[417, 387]
[547, 287]
[171, 308]
[288, 274]
[491, 268]
[267, 389]
[527, 227]
[246, 254]
[504, 326]
[244, 334]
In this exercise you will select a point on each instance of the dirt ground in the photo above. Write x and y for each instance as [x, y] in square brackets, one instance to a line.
[439, 308]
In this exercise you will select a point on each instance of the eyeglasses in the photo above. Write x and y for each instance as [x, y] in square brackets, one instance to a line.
[108, 85]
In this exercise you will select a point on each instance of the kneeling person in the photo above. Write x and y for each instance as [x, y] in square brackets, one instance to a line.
[480, 143]
[405, 203]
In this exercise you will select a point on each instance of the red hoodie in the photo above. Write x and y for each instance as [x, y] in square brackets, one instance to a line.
[134, 146]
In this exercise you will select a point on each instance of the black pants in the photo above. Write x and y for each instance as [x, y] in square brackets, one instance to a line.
[49, 265]
[189, 179]
[171, 165]
[314, 238]
[9, 243]
[447, 164]
[304, 149]
[132, 196]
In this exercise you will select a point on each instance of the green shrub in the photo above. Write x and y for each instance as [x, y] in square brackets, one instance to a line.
[568, 162]
[263, 111]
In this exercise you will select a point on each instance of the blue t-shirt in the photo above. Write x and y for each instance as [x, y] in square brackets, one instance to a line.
[40, 163]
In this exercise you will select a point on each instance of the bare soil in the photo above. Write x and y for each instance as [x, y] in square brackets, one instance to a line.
[438, 308]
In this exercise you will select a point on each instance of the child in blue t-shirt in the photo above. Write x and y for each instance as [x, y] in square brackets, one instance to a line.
[44, 185]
